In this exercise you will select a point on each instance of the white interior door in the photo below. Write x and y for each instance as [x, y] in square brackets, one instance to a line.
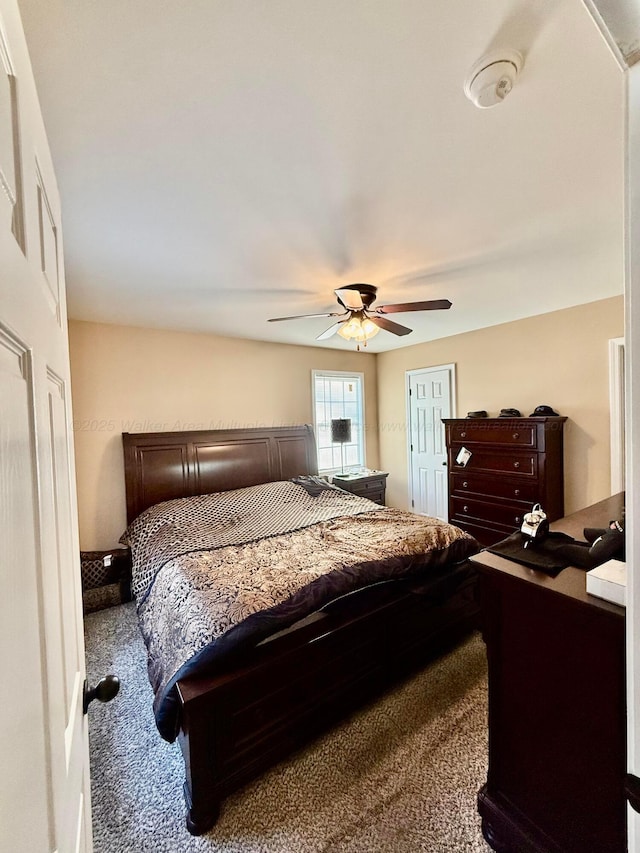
[430, 395]
[44, 785]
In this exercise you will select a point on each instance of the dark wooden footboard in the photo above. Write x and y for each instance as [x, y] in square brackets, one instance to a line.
[236, 724]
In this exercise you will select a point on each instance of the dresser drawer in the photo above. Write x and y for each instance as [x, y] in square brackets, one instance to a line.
[494, 486]
[510, 462]
[487, 533]
[474, 511]
[495, 432]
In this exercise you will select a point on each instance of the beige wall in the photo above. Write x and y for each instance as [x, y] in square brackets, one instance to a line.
[559, 359]
[127, 379]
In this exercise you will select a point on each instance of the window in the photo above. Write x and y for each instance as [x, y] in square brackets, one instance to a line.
[338, 395]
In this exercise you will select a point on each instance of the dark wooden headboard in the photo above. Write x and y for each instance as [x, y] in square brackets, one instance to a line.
[159, 466]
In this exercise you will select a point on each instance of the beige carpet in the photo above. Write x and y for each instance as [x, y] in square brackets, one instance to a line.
[399, 776]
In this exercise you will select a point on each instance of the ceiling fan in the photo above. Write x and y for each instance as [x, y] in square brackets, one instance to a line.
[359, 321]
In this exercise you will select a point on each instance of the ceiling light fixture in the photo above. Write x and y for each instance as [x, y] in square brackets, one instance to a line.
[493, 77]
[358, 328]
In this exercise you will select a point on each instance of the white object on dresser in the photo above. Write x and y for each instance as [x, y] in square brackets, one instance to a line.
[609, 581]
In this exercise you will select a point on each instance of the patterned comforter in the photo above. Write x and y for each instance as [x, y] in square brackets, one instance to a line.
[215, 573]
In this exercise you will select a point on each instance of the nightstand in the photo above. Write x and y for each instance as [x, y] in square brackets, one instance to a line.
[371, 485]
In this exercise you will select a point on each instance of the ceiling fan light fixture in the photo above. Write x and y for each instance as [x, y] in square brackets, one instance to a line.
[360, 322]
[358, 328]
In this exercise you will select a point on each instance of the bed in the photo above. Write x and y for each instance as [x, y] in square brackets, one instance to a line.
[353, 615]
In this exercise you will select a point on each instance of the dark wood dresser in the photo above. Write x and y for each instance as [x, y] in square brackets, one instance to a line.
[514, 464]
[557, 710]
[372, 485]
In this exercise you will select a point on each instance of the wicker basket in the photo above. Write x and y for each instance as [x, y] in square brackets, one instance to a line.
[104, 586]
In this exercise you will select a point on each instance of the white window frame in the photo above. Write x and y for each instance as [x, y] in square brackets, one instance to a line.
[345, 375]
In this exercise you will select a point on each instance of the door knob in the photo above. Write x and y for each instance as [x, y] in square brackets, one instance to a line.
[105, 690]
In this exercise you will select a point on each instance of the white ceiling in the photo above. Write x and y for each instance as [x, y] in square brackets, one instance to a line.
[221, 162]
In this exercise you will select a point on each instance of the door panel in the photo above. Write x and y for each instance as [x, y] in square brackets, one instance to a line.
[61, 598]
[23, 736]
[44, 792]
[429, 402]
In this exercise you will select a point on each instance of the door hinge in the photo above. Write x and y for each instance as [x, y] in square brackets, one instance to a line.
[411, 446]
[410, 392]
[413, 503]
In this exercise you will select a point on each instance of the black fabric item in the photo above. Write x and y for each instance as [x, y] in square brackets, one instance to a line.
[313, 485]
[609, 546]
[481, 413]
[575, 552]
[534, 557]
[558, 550]
[593, 533]
[509, 413]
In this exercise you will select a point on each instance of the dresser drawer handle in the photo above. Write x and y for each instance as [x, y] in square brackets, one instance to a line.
[516, 492]
[465, 509]
[518, 519]
[465, 485]
[463, 435]
[516, 436]
[516, 464]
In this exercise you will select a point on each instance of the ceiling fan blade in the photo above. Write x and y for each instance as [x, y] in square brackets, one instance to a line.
[430, 305]
[351, 299]
[330, 332]
[303, 316]
[389, 325]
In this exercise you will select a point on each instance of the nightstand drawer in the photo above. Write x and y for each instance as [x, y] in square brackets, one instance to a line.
[375, 495]
[367, 487]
